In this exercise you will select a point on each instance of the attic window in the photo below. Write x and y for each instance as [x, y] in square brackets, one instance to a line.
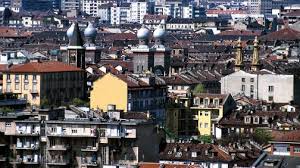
[194, 154]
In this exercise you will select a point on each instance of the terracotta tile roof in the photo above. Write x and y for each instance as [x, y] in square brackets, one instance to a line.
[286, 136]
[9, 33]
[242, 32]
[203, 152]
[169, 165]
[295, 13]
[43, 67]
[287, 34]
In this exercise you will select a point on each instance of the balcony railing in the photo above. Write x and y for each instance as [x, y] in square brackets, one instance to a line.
[89, 149]
[57, 161]
[58, 148]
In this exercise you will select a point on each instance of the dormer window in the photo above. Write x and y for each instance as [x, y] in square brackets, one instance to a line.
[216, 102]
[256, 120]
[197, 101]
[206, 101]
[247, 119]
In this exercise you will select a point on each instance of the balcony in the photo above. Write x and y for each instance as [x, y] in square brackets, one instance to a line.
[27, 133]
[57, 161]
[89, 161]
[7, 90]
[28, 159]
[89, 149]
[3, 159]
[33, 91]
[58, 148]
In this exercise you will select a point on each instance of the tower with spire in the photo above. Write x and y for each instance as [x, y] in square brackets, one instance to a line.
[162, 53]
[74, 52]
[255, 66]
[92, 51]
[78, 52]
[155, 59]
[239, 62]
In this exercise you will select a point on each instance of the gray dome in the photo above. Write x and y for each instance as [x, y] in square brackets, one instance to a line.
[143, 33]
[90, 31]
[159, 32]
[70, 30]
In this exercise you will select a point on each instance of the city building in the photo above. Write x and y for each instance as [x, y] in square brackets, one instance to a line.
[130, 93]
[198, 114]
[138, 10]
[59, 137]
[37, 82]
[79, 52]
[67, 5]
[260, 7]
[155, 59]
[120, 13]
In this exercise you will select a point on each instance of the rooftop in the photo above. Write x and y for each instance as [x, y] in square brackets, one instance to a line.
[43, 67]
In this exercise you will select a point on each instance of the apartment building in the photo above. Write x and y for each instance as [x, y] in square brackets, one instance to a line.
[262, 85]
[39, 140]
[138, 10]
[260, 7]
[197, 114]
[91, 7]
[120, 14]
[36, 81]
[67, 5]
[130, 93]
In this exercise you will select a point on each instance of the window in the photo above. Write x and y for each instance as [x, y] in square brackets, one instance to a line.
[74, 131]
[8, 124]
[206, 113]
[205, 102]
[8, 77]
[251, 88]
[26, 86]
[53, 129]
[26, 77]
[34, 77]
[251, 79]
[25, 96]
[243, 79]
[243, 88]
[297, 149]
[17, 86]
[271, 89]
[271, 98]
[206, 125]
[197, 101]
[200, 125]
[17, 77]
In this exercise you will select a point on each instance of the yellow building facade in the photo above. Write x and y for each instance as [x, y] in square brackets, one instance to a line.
[55, 82]
[109, 90]
[197, 114]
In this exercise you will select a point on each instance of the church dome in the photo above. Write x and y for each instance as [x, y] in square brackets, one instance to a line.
[159, 32]
[70, 30]
[90, 31]
[143, 33]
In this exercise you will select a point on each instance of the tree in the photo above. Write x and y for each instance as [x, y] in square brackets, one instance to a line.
[45, 103]
[205, 138]
[198, 89]
[79, 102]
[262, 136]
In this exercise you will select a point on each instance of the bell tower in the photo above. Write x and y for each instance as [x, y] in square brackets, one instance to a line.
[239, 56]
[74, 52]
[255, 57]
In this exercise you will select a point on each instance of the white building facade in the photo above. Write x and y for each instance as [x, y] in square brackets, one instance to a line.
[266, 86]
